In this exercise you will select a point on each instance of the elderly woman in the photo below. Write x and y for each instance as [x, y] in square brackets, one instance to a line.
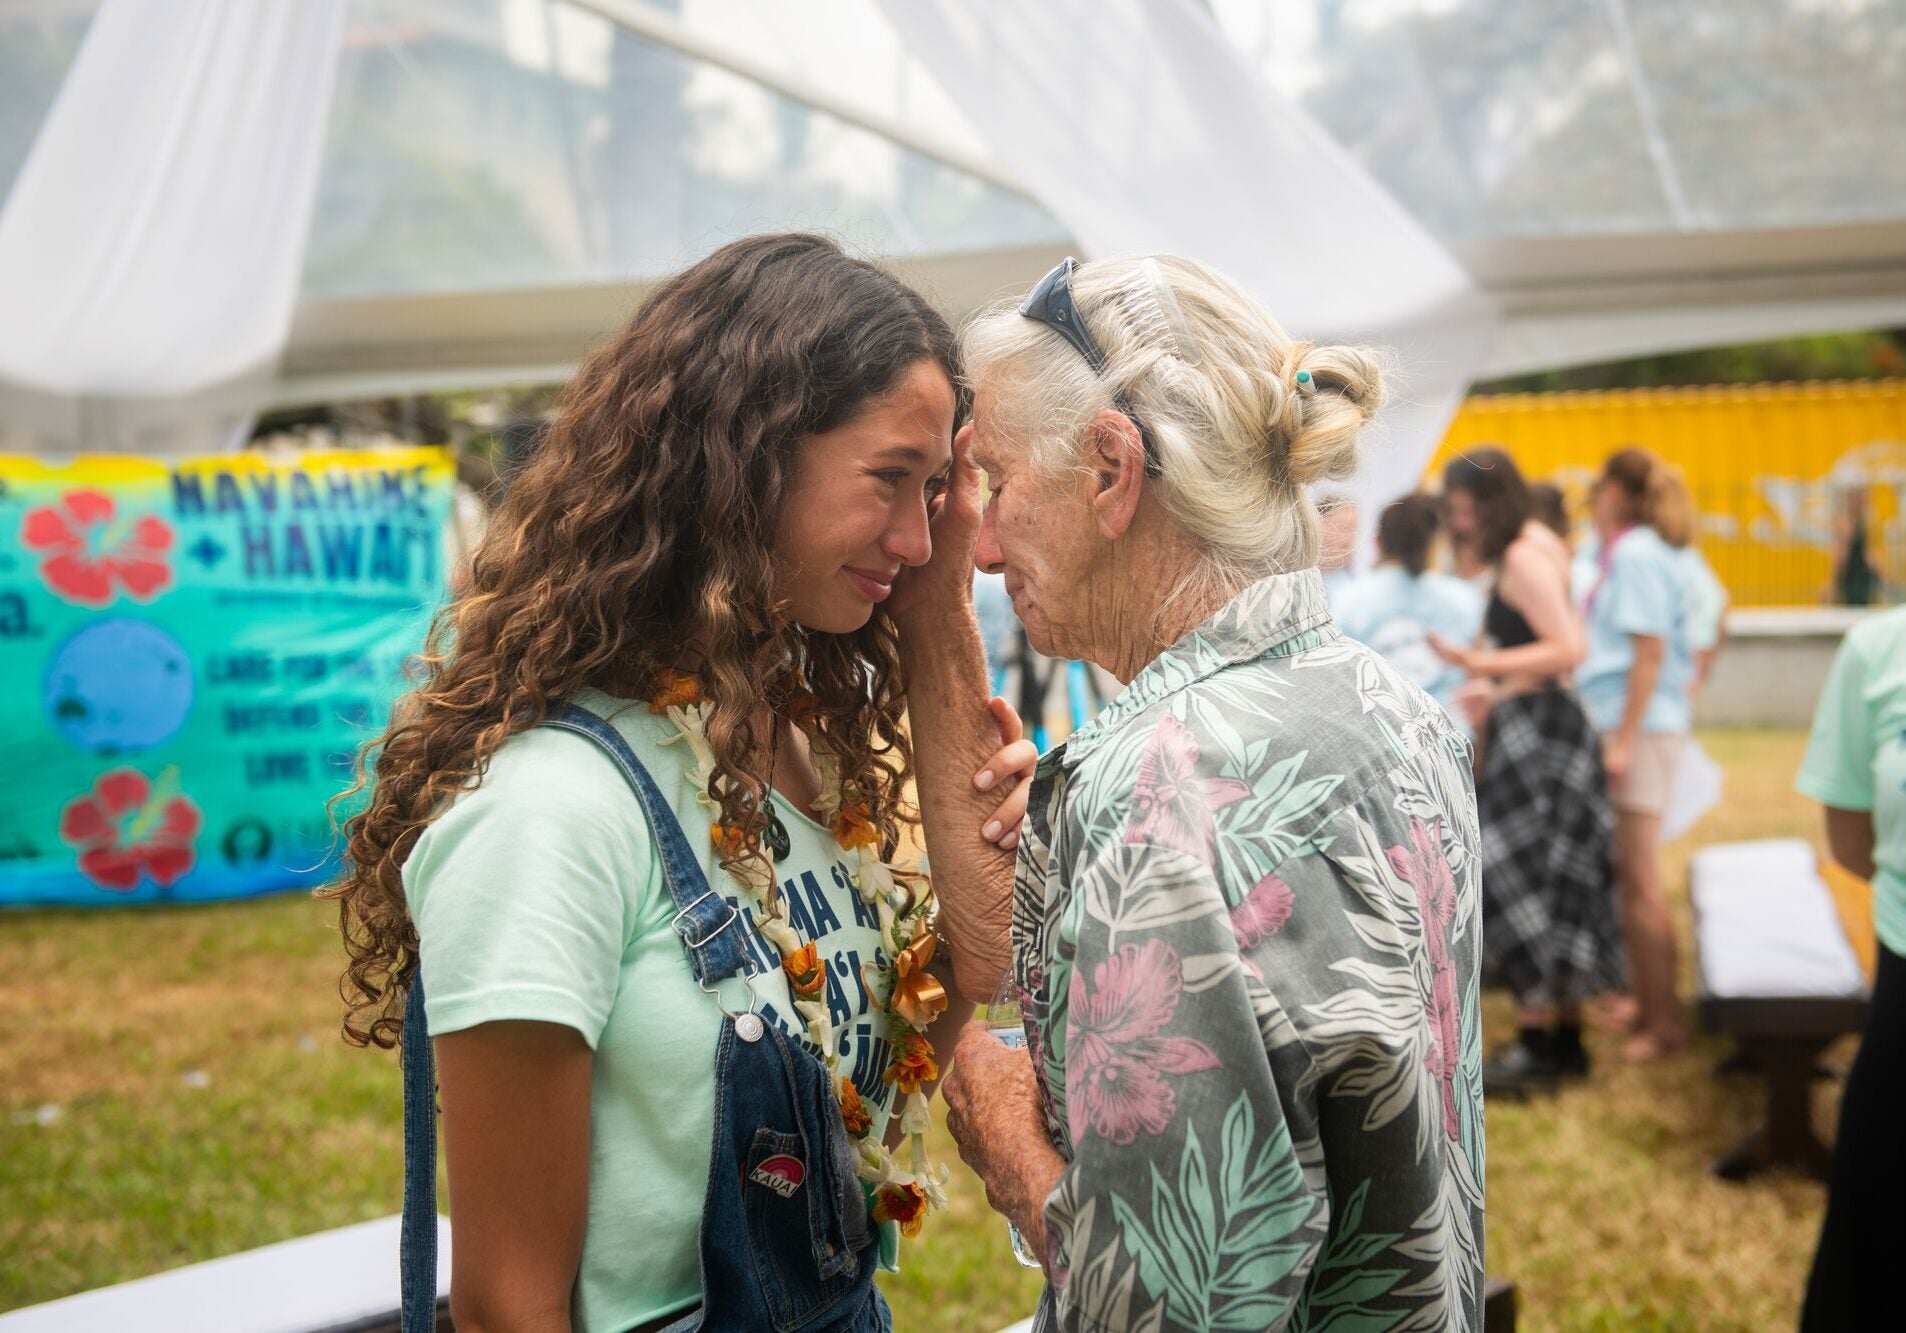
[1244, 924]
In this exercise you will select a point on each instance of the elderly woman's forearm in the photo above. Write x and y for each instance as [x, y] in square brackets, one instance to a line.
[953, 736]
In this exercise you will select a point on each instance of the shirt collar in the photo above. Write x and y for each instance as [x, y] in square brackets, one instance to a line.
[1277, 616]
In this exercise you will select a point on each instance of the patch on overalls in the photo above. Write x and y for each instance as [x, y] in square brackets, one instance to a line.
[782, 1174]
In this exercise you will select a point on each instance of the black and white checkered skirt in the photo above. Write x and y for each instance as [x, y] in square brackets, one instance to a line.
[1551, 917]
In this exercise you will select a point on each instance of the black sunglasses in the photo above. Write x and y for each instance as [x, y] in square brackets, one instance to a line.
[1051, 304]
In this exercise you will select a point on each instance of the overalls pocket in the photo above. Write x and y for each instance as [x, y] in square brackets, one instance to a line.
[796, 1229]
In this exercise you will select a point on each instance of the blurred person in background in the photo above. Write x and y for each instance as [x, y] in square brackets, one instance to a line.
[1466, 559]
[1855, 766]
[1337, 548]
[1550, 507]
[1636, 684]
[999, 631]
[1396, 606]
[1551, 930]
[1707, 614]
[1856, 578]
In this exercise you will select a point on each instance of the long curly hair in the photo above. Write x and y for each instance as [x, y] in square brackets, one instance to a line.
[645, 522]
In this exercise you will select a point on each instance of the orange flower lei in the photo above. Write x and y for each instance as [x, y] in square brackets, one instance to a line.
[853, 1111]
[807, 971]
[913, 1064]
[854, 826]
[909, 996]
[903, 1202]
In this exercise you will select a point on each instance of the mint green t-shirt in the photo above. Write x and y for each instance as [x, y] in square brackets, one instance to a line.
[1856, 757]
[538, 895]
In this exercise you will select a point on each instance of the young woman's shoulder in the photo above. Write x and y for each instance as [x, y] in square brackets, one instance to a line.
[548, 800]
[529, 888]
[558, 778]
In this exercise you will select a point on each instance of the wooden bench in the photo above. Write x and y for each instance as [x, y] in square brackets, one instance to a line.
[342, 1281]
[1778, 975]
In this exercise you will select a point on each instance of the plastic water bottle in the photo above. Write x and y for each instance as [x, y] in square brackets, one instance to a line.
[1003, 1018]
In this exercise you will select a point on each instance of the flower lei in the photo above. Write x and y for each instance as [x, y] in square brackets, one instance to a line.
[908, 996]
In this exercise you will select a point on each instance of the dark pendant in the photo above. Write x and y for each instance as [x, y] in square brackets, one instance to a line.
[778, 841]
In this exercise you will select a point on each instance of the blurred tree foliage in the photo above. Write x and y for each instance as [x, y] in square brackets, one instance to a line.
[1875, 354]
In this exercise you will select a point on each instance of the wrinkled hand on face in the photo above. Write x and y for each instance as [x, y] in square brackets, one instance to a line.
[955, 529]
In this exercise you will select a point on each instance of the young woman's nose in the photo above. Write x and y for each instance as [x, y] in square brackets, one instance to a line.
[909, 538]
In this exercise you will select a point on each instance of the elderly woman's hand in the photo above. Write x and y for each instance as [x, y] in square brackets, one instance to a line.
[996, 1116]
[955, 529]
[1010, 770]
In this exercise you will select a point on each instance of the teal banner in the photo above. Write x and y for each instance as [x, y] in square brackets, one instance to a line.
[190, 654]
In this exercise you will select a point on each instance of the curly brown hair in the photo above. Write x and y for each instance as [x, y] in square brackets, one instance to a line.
[645, 522]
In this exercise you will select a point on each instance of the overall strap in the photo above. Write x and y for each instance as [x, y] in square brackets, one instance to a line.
[703, 918]
[417, 1235]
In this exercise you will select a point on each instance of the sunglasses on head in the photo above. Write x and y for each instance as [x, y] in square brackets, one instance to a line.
[1051, 304]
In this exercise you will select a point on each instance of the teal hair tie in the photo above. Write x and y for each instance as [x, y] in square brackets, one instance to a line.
[1303, 377]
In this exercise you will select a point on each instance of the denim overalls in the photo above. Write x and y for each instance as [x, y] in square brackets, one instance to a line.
[786, 1243]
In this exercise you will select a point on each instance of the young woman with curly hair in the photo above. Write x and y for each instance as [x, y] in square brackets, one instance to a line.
[630, 830]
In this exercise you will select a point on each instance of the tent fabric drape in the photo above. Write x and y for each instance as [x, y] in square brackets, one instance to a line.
[151, 244]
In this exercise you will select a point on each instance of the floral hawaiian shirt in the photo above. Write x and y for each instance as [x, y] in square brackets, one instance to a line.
[1246, 928]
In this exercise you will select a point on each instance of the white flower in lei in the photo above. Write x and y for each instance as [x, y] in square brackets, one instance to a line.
[906, 994]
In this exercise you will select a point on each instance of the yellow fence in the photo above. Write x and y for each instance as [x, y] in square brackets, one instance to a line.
[1772, 466]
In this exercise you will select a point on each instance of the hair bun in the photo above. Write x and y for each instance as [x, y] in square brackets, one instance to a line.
[1336, 391]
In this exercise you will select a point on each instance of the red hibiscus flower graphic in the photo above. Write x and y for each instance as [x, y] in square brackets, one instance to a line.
[86, 549]
[126, 827]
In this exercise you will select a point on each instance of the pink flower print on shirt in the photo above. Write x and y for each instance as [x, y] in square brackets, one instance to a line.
[1172, 806]
[1423, 865]
[1263, 912]
[1115, 1057]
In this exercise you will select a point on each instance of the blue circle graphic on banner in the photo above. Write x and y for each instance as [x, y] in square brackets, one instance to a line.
[118, 686]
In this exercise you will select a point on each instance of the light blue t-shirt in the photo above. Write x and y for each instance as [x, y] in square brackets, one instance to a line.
[1585, 571]
[1707, 598]
[1644, 591]
[1856, 757]
[1394, 613]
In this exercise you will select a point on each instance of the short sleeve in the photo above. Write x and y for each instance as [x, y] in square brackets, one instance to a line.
[1707, 601]
[1646, 593]
[1838, 767]
[527, 889]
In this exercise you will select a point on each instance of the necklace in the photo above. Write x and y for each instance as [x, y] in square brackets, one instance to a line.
[902, 991]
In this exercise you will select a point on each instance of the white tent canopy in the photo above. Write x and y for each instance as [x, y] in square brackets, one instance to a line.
[1487, 185]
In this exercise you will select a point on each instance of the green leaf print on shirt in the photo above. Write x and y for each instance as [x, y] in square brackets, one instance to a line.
[1217, 1258]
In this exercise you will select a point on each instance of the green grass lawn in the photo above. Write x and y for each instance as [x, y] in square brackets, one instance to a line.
[172, 1088]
